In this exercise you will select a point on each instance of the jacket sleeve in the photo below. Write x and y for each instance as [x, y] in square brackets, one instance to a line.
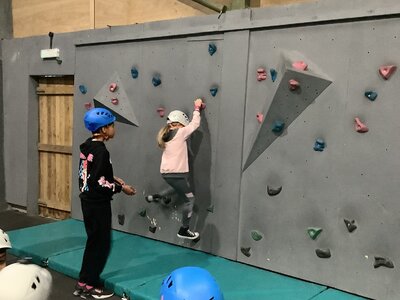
[193, 125]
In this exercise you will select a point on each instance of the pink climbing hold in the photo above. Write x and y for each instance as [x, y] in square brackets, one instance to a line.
[161, 112]
[300, 65]
[387, 71]
[88, 105]
[360, 126]
[261, 74]
[113, 87]
[114, 101]
[293, 84]
[260, 117]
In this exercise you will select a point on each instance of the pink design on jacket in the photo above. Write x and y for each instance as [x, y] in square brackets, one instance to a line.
[104, 183]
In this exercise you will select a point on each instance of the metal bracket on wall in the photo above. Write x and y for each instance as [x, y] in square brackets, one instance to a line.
[218, 7]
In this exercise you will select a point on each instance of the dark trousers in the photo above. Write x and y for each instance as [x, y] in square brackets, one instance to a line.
[97, 220]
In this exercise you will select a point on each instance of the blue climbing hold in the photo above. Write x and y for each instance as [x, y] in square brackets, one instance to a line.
[214, 91]
[371, 95]
[134, 73]
[156, 80]
[212, 48]
[319, 145]
[83, 89]
[274, 74]
[278, 126]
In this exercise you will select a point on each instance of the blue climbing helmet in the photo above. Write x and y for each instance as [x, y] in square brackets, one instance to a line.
[97, 118]
[192, 283]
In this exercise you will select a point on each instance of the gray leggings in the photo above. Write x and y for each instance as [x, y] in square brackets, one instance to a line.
[180, 184]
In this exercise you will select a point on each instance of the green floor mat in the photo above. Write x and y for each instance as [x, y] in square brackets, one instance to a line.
[331, 294]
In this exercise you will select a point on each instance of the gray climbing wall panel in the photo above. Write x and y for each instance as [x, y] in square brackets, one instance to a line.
[264, 198]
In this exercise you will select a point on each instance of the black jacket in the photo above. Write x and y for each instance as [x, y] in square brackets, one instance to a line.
[96, 177]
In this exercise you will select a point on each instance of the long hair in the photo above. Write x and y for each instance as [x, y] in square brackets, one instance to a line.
[161, 136]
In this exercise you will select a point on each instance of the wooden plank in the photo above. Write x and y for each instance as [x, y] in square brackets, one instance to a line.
[264, 3]
[55, 90]
[55, 148]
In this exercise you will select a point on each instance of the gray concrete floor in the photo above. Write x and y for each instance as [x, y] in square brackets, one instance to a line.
[62, 285]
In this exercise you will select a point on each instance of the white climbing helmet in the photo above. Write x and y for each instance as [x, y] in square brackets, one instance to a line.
[178, 116]
[4, 240]
[25, 282]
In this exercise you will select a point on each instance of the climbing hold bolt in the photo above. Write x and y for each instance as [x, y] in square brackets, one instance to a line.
[246, 251]
[256, 235]
[323, 253]
[359, 126]
[214, 91]
[134, 73]
[314, 232]
[83, 89]
[351, 226]
[113, 87]
[278, 126]
[319, 145]
[260, 117]
[383, 262]
[156, 80]
[274, 74]
[261, 74]
[121, 219]
[273, 191]
[300, 65]
[212, 48]
[371, 95]
[387, 71]
[114, 101]
[293, 84]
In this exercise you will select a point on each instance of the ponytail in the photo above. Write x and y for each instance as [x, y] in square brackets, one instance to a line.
[160, 136]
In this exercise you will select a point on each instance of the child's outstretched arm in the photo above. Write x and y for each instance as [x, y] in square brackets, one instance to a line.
[127, 189]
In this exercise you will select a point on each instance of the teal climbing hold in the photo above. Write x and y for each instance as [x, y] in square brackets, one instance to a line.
[278, 126]
[156, 80]
[212, 48]
[256, 235]
[319, 145]
[314, 232]
[214, 91]
[274, 74]
[83, 89]
[246, 251]
[371, 95]
[134, 72]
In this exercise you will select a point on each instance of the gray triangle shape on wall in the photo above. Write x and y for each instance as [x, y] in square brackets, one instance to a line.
[286, 106]
[123, 110]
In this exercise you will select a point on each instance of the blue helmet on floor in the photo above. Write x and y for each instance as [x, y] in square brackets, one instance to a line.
[190, 283]
[97, 118]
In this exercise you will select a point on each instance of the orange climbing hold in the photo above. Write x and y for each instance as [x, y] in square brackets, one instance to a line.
[360, 126]
[387, 71]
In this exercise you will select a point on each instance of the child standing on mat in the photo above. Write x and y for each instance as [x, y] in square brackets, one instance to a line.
[97, 185]
[174, 166]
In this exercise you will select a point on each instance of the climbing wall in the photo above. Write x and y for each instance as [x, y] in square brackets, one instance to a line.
[319, 197]
[295, 163]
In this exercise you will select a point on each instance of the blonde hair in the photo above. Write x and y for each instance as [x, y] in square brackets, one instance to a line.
[160, 136]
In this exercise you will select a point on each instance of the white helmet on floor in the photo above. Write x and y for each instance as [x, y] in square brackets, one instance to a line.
[178, 116]
[4, 240]
[25, 282]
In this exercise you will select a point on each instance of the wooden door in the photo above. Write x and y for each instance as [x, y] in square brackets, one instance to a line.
[55, 146]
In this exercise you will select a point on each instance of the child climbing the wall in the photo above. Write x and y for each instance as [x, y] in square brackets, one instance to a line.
[174, 168]
[97, 185]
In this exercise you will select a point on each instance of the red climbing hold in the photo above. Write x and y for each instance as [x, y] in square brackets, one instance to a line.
[300, 65]
[293, 84]
[114, 101]
[161, 111]
[260, 117]
[387, 71]
[261, 74]
[360, 127]
[88, 105]
[113, 87]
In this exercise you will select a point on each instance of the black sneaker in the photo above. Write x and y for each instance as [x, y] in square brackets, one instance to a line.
[96, 293]
[185, 233]
[78, 289]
